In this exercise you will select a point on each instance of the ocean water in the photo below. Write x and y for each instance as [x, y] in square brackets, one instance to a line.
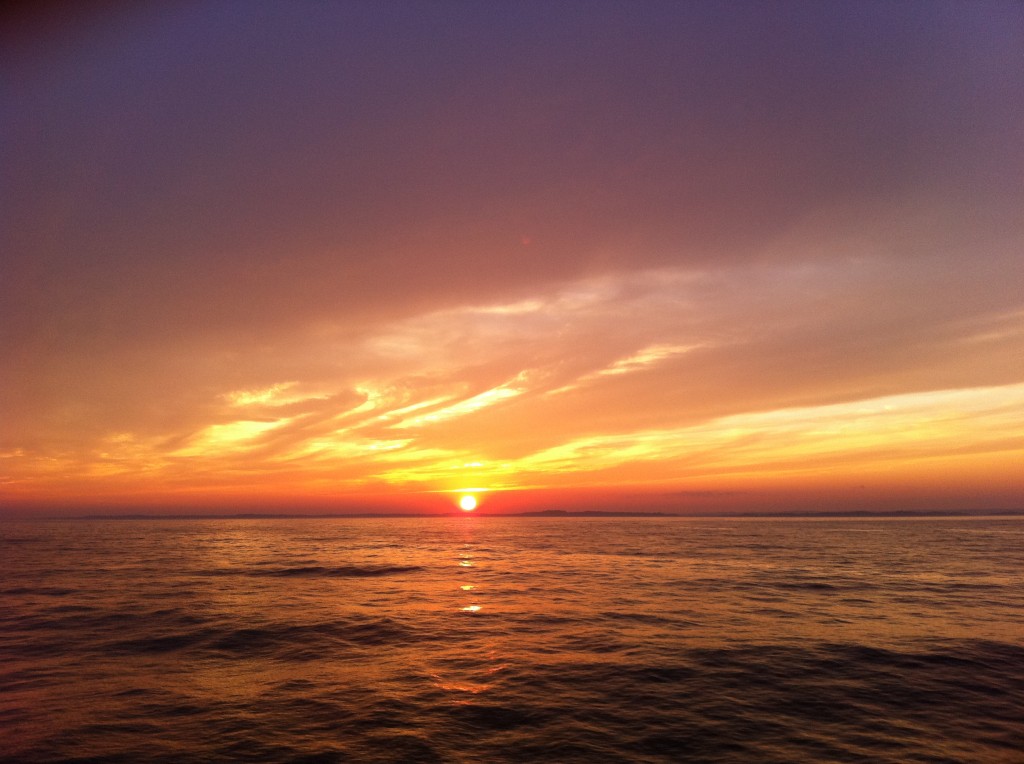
[476, 639]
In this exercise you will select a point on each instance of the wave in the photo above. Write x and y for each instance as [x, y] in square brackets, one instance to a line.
[263, 570]
[277, 641]
[343, 571]
[48, 591]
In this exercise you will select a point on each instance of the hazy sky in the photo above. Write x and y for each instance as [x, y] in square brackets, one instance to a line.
[684, 256]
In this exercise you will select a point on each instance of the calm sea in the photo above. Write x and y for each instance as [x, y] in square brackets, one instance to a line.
[476, 639]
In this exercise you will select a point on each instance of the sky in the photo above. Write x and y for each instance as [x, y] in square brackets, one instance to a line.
[360, 256]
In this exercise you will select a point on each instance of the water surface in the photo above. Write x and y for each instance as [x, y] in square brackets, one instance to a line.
[475, 639]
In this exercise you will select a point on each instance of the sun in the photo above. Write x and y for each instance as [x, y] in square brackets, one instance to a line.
[468, 502]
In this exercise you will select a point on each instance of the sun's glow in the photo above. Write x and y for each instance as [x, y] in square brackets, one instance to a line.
[467, 503]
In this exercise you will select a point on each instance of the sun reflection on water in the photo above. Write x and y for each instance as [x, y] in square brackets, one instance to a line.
[470, 674]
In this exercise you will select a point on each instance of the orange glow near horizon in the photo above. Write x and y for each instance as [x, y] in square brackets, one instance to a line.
[869, 452]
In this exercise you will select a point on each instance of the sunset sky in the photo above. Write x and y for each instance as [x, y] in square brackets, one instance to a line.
[370, 256]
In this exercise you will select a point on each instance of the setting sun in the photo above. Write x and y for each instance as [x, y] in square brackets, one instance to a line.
[468, 503]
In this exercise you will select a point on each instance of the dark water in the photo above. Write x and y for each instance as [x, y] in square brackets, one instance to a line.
[473, 639]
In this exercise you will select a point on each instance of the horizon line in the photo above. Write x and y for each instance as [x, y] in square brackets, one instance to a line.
[528, 514]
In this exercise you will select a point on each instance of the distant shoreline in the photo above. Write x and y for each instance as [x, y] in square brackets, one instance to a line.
[548, 513]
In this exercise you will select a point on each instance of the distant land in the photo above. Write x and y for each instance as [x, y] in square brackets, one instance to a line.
[537, 513]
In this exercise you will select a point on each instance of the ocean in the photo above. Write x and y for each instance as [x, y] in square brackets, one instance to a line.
[517, 639]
